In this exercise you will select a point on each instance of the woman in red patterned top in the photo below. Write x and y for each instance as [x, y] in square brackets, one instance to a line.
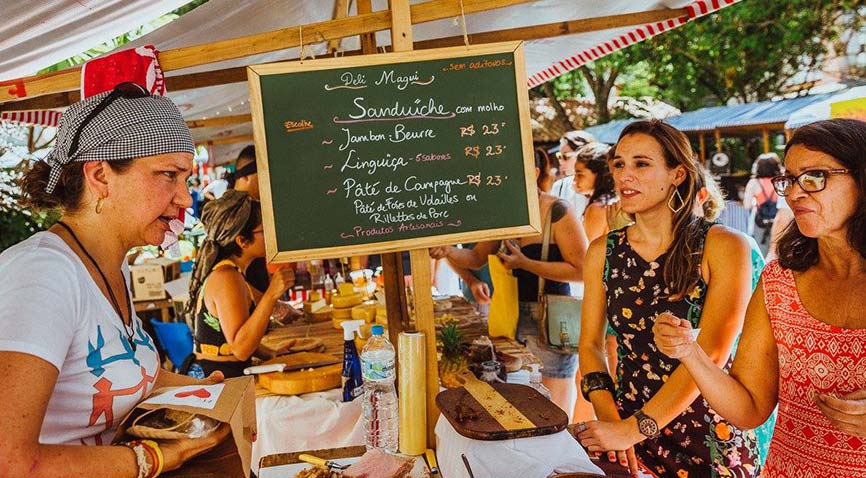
[804, 340]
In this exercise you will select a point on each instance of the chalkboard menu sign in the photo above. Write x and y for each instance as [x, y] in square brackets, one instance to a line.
[390, 152]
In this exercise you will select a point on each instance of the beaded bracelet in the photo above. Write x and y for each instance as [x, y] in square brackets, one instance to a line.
[141, 453]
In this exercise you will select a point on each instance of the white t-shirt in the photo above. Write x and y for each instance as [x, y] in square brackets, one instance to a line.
[564, 189]
[51, 308]
[217, 187]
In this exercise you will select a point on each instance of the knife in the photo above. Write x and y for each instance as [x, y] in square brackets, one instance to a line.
[314, 460]
[281, 367]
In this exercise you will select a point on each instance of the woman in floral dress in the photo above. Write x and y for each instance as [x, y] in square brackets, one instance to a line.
[668, 260]
[804, 342]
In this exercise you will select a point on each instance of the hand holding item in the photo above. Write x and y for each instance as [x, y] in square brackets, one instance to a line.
[847, 413]
[512, 257]
[480, 291]
[281, 281]
[178, 452]
[615, 439]
[674, 336]
[439, 252]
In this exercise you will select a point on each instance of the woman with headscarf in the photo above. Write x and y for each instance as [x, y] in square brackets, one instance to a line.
[230, 320]
[74, 358]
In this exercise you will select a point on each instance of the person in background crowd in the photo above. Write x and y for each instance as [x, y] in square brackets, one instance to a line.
[195, 194]
[759, 190]
[563, 188]
[230, 317]
[74, 358]
[564, 264]
[734, 215]
[802, 344]
[784, 218]
[592, 178]
[246, 179]
[668, 260]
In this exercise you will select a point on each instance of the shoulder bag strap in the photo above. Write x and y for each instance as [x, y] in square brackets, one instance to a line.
[545, 247]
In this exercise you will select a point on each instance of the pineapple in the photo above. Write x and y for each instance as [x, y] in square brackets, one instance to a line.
[449, 342]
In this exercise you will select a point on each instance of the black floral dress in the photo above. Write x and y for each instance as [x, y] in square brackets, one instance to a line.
[699, 443]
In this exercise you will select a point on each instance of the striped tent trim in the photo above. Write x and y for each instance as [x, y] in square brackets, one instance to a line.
[34, 117]
[696, 9]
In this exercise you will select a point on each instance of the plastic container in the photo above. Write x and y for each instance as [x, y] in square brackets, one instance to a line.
[352, 381]
[381, 421]
[535, 380]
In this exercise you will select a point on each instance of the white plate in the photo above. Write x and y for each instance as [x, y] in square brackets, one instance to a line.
[290, 471]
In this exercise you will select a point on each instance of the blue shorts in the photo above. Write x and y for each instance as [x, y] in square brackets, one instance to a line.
[555, 365]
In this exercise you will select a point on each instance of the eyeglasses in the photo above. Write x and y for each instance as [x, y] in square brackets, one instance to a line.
[810, 181]
[123, 90]
[563, 156]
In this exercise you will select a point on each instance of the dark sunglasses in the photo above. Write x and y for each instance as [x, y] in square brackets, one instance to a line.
[810, 181]
[123, 90]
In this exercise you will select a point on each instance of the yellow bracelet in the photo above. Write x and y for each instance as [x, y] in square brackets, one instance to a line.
[160, 461]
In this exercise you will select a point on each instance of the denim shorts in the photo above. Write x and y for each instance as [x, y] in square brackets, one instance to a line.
[555, 365]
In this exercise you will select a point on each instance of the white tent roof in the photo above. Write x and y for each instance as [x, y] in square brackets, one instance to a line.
[821, 110]
[222, 19]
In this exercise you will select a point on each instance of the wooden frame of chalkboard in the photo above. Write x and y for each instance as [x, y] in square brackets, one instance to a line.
[392, 152]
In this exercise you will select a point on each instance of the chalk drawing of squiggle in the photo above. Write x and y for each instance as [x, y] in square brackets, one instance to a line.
[331, 88]
[327, 141]
[426, 82]
[401, 118]
[457, 224]
[346, 236]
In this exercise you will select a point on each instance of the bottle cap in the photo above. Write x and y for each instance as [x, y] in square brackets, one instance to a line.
[377, 329]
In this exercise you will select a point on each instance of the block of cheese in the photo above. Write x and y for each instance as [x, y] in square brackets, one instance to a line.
[381, 315]
[346, 288]
[339, 315]
[365, 312]
[313, 306]
[305, 380]
[346, 301]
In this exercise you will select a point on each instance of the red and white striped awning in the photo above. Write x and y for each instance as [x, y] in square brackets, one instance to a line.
[33, 117]
[695, 10]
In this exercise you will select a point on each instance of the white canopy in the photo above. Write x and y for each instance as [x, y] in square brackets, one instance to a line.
[65, 27]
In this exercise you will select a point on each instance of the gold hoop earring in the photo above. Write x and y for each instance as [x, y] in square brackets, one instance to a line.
[99, 205]
[679, 198]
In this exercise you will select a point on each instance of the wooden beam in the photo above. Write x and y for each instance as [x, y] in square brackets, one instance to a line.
[368, 42]
[233, 139]
[196, 55]
[765, 137]
[219, 121]
[703, 145]
[341, 10]
[718, 135]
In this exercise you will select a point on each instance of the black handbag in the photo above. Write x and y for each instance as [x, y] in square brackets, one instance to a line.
[559, 315]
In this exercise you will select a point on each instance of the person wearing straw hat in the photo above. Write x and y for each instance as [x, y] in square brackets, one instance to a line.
[74, 358]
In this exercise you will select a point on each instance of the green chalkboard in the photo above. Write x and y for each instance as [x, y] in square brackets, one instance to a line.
[394, 151]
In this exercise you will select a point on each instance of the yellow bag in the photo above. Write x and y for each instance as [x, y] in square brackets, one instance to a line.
[502, 321]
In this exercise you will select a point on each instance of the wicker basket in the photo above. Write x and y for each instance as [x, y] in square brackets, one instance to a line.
[161, 424]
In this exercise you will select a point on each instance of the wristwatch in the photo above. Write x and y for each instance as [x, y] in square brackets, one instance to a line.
[646, 424]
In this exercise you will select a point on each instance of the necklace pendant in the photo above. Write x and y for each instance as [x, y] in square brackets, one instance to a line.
[131, 343]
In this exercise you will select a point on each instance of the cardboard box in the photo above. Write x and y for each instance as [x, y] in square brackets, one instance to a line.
[232, 402]
[171, 267]
[147, 281]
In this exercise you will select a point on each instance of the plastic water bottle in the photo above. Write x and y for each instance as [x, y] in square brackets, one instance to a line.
[535, 380]
[380, 397]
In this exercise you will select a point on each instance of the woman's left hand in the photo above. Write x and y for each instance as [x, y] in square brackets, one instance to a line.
[514, 258]
[600, 436]
[616, 437]
[847, 413]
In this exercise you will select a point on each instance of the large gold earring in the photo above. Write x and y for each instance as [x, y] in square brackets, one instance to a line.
[99, 205]
[679, 198]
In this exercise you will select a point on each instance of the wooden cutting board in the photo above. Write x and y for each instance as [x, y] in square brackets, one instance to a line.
[499, 411]
[302, 381]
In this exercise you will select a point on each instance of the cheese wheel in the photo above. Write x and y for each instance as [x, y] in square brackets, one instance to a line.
[346, 301]
[339, 315]
[364, 312]
[346, 288]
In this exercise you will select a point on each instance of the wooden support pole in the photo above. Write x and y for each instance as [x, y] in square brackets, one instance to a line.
[765, 136]
[219, 121]
[233, 139]
[401, 40]
[718, 135]
[368, 40]
[788, 134]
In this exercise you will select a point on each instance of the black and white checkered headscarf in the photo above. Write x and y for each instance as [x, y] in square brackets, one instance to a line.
[127, 128]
